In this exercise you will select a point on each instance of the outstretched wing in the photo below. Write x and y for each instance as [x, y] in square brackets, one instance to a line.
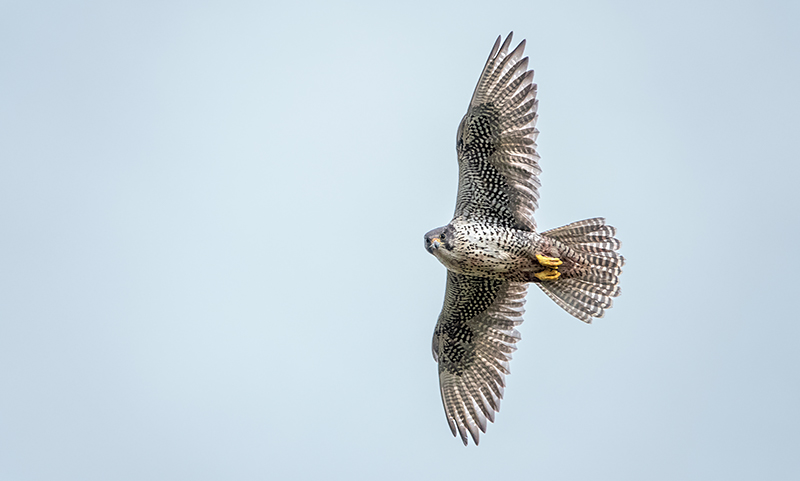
[496, 143]
[472, 343]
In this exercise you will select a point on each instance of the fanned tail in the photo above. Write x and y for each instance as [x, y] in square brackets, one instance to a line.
[588, 289]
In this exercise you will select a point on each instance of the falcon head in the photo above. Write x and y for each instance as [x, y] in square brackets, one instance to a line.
[440, 238]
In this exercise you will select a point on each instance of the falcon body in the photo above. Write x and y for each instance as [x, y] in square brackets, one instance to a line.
[505, 253]
[492, 251]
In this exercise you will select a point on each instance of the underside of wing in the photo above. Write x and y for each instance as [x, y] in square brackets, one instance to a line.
[496, 143]
[472, 343]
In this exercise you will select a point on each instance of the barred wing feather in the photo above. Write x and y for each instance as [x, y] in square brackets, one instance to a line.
[472, 343]
[496, 143]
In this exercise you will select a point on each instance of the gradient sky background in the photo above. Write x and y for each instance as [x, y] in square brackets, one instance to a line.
[211, 260]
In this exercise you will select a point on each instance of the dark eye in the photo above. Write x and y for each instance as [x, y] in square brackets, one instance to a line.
[441, 237]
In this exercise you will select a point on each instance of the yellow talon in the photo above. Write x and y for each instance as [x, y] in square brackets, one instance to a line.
[548, 261]
[548, 275]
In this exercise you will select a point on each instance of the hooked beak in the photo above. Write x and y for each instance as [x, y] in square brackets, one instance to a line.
[433, 244]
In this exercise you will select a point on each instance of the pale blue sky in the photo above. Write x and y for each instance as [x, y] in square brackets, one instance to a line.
[211, 260]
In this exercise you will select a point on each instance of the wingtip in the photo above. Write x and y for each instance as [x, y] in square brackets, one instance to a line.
[519, 49]
[507, 42]
[474, 433]
[495, 48]
[462, 430]
[452, 425]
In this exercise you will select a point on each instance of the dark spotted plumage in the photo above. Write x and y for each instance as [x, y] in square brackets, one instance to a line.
[492, 251]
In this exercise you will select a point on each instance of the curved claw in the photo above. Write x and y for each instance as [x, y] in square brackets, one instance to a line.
[548, 275]
[548, 261]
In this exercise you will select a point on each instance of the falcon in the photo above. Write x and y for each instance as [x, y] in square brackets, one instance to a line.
[492, 251]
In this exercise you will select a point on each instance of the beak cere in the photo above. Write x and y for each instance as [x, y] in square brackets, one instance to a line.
[435, 243]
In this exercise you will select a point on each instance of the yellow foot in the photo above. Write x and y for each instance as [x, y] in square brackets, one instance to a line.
[548, 275]
[548, 261]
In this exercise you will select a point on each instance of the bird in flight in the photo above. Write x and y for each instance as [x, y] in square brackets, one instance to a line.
[492, 251]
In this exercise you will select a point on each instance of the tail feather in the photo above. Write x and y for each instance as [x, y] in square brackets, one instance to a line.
[591, 246]
[574, 307]
[611, 267]
[594, 288]
[579, 227]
